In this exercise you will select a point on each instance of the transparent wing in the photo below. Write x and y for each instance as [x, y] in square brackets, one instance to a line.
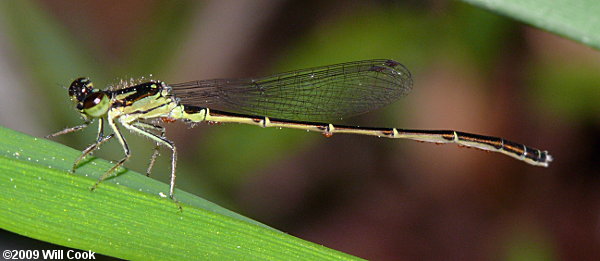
[319, 93]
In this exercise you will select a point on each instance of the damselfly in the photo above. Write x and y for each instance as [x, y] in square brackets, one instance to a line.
[293, 99]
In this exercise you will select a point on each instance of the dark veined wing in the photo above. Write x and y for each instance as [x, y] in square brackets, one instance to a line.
[320, 93]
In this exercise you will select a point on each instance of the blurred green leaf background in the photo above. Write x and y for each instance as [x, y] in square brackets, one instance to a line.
[474, 70]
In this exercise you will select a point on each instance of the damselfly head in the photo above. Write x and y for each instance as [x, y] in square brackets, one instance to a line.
[80, 88]
[90, 103]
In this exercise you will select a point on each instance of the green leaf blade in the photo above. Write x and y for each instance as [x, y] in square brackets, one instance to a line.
[125, 217]
[574, 19]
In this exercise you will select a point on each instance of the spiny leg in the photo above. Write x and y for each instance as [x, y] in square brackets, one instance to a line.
[117, 132]
[99, 141]
[160, 140]
[89, 150]
[155, 153]
[70, 129]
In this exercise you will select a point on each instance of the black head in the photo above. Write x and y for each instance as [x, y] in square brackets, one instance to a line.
[80, 88]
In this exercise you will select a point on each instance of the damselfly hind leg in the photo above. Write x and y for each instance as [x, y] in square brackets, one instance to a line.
[137, 127]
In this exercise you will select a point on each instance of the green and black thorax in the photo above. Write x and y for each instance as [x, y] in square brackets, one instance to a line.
[95, 103]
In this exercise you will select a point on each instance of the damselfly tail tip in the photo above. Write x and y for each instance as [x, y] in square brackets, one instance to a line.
[549, 157]
[545, 160]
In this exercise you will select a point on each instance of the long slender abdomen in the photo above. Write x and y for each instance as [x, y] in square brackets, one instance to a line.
[518, 151]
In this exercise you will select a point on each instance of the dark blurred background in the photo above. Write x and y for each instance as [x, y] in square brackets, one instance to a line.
[379, 199]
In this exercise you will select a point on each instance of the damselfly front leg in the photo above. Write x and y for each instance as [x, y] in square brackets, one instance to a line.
[117, 132]
[69, 130]
[100, 139]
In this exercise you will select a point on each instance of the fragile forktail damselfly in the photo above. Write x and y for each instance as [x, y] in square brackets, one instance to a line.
[293, 99]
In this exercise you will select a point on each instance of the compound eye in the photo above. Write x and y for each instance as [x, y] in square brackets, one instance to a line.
[95, 104]
[80, 88]
[93, 100]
